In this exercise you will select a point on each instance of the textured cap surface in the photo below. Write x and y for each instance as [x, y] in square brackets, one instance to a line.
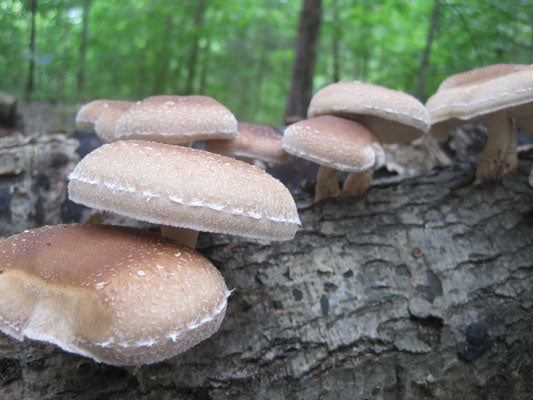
[482, 91]
[105, 125]
[118, 295]
[184, 187]
[254, 141]
[335, 142]
[393, 116]
[90, 112]
[177, 120]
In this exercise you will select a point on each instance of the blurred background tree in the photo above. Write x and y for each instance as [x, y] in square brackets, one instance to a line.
[242, 52]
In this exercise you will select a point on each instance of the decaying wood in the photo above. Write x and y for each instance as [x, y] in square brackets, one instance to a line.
[422, 288]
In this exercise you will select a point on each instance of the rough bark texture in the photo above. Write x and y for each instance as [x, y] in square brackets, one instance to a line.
[33, 183]
[421, 289]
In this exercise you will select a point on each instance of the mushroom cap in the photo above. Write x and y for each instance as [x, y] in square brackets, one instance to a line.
[393, 116]
[335, 142]
[176, 120]
[477, 93]
[105, 125]
[90, 112]
[254, 141]
[117, 295]
[184, 187]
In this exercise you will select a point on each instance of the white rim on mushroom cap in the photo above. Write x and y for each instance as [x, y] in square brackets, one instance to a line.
[118, 295]
[253, 141]
[90, 112]
[393, 116]
[335, 142]
[477, 93]
[184, 187]
[177, 120]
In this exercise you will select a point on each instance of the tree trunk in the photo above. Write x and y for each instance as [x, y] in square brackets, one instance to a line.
[164, 55]
[336, 38]
[83, 46]
[424, 63]
[301, 88]
[63, 50]
[420, 289]
[201, 7]
[30, 85]
[204, 72]
[8, 110]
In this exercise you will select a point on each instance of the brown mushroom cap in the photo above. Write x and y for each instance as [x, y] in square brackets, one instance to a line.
[254, 141]
[177, 120]
[480, 92]
[393, 116]
[105, 125]
[335, 142]
[184, 187]
[90, 112]
[118, 295]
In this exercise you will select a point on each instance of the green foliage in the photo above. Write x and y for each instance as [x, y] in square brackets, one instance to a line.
[245, 48]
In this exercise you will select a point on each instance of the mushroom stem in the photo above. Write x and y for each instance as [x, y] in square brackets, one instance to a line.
[185, 236]
[356, 183]
[327, 183]
[510, 161]
[491, 161]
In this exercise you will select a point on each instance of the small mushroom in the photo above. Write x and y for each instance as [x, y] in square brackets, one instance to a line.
[118, 295]
[176, 120]
[185, 188]
[89, 113]
[393, 116]
[252, 142]
[500, 95]
[105, 125]
[337, 144]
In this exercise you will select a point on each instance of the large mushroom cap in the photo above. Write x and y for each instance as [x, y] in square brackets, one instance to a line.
[177, 120]
[393, 116]
[118, 295]
[90, 112]
[335, 142]
[184, 187]
[480, 92]
[253, 141]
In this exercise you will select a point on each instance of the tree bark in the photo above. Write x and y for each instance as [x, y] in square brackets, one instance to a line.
[83, 46]
[301, 88]
[201, 7]
[30, 85]
[420, 289]
[424, 63]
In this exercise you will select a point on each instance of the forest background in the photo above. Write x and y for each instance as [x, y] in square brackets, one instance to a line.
[242, 52]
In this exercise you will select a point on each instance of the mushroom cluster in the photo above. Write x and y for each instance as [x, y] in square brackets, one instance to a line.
[164, 119]
[347, 123]
[127, 297]
[501, 96]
